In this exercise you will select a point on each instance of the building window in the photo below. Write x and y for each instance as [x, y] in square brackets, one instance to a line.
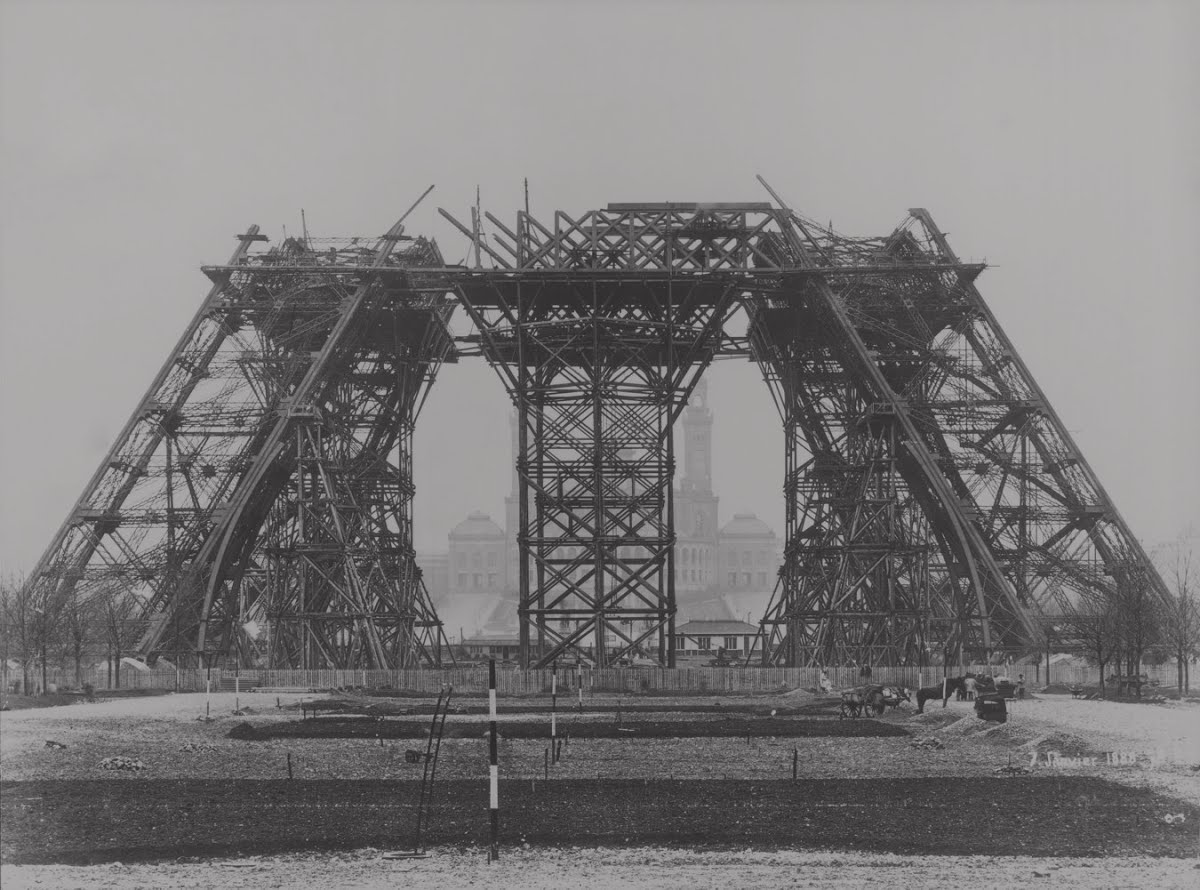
[477, 580]
[762, 579]
[746, 579]
[491, 559]
[680, 642]
[462, 579]
[731, 643]
[733, 579]
[705, 643]
[491, 579]
[745, 557]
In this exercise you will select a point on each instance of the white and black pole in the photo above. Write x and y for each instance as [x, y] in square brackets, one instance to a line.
[554, 711]
[493, 769]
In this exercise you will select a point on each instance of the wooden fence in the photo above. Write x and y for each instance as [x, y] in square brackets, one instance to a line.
[511, 681]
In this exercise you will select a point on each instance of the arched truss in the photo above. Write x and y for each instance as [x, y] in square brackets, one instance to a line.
[257, 504]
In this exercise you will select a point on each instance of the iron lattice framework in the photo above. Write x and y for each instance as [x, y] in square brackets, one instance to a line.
[599, 330]
[258, 502]
[911, 405]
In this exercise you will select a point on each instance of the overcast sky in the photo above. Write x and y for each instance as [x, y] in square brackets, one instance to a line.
[1058, 141]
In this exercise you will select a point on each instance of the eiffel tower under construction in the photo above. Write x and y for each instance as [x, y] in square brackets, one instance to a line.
[256, 509]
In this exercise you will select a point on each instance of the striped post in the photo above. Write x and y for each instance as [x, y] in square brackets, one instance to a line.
[554, 709]
[579, 683]
[493, 769]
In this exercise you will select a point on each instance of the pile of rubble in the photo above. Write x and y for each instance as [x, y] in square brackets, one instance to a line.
[196, 747]
[122, 763]
[1012, 771]
[929, 743]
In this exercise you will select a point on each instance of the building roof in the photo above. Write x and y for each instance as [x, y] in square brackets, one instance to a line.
[746, 525]
[477, 525]
[492, 641]
[716, 628]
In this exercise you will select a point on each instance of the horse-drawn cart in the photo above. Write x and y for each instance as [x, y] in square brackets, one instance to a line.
[870, 700]
[863, 700]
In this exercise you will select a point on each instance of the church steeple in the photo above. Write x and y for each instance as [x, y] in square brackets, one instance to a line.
[697, 442]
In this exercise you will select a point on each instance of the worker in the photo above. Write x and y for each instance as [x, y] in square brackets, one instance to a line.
[1020, 685]
[969, 686]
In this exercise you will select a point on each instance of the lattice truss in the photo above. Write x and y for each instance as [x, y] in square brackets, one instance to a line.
[258, 501]
[599, 330]
[1043, 511]
[1011, 512]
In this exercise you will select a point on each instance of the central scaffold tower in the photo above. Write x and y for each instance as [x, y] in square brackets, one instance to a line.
[257, 505]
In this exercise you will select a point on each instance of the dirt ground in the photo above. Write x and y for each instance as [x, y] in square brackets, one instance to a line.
[1039, 825]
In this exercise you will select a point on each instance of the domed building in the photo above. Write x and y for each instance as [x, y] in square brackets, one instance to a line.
[477, 556]
[749, 555]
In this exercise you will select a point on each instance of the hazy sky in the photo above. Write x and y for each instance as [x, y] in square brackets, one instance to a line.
[1056, 140]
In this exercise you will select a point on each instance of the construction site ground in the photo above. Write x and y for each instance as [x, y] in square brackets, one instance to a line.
[653, 792]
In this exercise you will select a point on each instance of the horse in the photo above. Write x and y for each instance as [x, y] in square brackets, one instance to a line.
[942, 690]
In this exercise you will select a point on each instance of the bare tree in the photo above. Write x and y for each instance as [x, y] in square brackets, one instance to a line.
[1140, 618]
[115, 610]
[16, 626]
[28, 629]
[1092, 627]
[1181, 624]
[78, 632]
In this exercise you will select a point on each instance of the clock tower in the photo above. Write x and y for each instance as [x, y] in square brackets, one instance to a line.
[695, 504]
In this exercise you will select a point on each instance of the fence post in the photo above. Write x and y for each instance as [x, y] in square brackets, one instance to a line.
[493, 769]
